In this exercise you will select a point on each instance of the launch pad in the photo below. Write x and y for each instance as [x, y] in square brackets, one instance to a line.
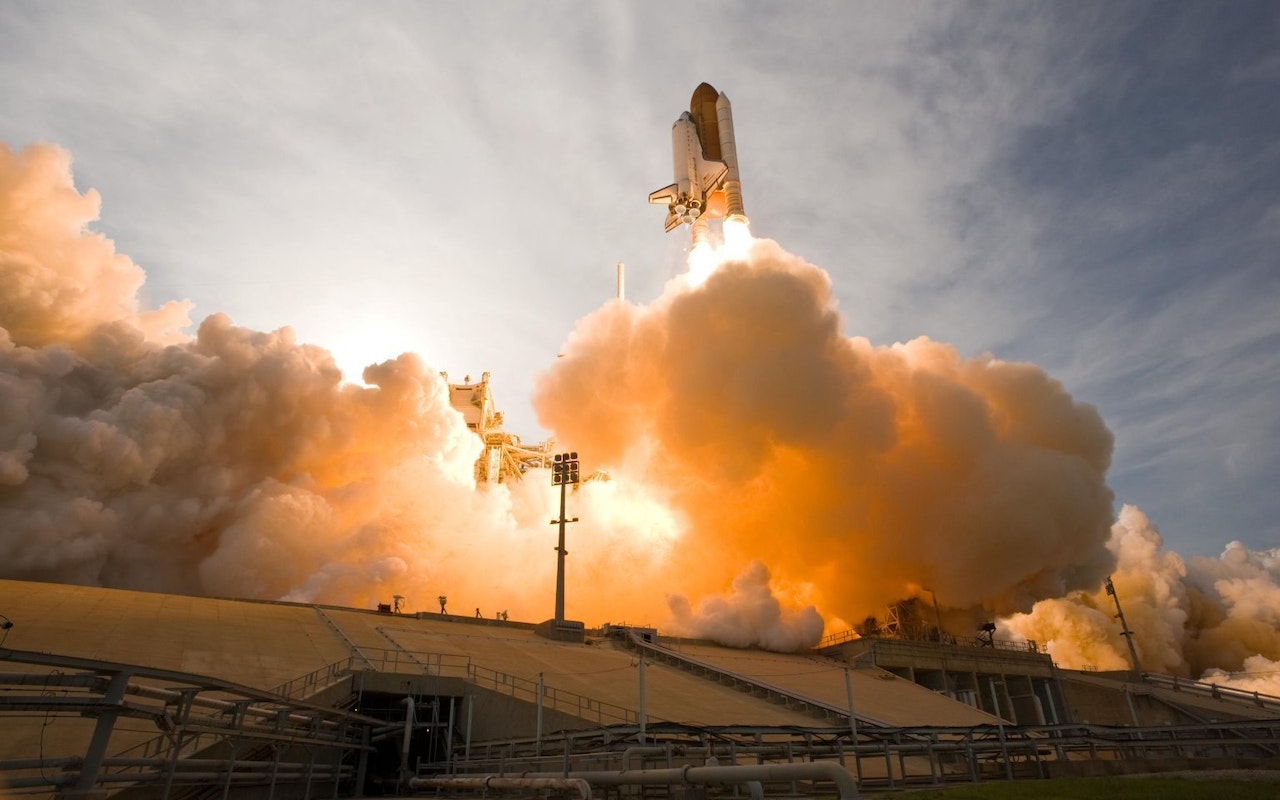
[143, 694]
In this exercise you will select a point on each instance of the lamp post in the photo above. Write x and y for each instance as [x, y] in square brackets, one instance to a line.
[564, 473]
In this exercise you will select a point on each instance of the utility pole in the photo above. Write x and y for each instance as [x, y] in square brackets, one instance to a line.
[643, 715]
[564, 473]
[1124, 627]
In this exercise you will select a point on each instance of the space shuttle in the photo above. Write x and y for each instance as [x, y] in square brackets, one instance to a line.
[705, 158]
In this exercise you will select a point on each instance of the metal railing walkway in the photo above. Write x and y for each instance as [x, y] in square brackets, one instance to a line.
[1213, 690]
[399, 658]
[581, 706]
[754, 686]
[192, 711]
[891, 758]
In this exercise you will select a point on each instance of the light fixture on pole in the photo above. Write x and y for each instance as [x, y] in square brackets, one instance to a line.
[564, 473]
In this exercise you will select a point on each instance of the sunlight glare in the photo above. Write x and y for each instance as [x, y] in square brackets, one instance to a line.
[365, 342]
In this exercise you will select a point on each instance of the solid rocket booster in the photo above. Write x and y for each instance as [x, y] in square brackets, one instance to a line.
[705, 162]
[729, 151]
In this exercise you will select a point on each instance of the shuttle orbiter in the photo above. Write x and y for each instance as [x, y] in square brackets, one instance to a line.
[705, 158]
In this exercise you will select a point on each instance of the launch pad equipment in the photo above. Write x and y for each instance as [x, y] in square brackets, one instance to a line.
[705, 164]
[505, 457]
[564, 473]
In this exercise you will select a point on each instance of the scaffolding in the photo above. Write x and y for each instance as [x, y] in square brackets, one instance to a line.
[505, 458]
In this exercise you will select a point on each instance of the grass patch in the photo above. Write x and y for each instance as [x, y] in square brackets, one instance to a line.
[1144, 788]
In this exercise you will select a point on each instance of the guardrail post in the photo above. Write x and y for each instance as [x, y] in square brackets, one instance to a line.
[448, 737]
[888, 762]
[643, 716]
[1004, 751]
[471, 707]
[114, 699]
[542, 687]
[275, 768]
[311, 761]
[853, 727]
[231, 768]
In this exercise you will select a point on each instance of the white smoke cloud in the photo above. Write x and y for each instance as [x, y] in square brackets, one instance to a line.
[749, 615]
[868, 470]
[1215, 619]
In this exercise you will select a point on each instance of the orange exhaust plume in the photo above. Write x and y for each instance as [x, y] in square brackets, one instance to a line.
[769, 470]
[862, 470]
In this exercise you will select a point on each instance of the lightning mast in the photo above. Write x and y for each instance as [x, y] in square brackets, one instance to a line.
[1124, 627]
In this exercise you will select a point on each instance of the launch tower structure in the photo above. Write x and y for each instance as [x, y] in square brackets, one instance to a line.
[505, 457]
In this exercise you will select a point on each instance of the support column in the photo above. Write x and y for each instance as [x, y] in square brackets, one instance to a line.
[114, 700]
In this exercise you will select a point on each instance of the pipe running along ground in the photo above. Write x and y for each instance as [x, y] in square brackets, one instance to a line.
[742, 774]
[495, 783]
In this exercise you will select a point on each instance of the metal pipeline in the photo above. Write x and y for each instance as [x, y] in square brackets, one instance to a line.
[408, 734]
[315, 775]
[495, 783]
[742, 773]
[644, 750]
[226, 706]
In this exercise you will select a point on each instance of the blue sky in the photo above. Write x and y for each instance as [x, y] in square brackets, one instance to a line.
[1091, 187]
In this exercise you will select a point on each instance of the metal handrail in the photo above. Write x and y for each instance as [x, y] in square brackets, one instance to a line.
[307, 685]
[926, 755]
[975, 642]
[580, 705]
[1214, 690]
[749, 680]
[584, 707]
[839, 637]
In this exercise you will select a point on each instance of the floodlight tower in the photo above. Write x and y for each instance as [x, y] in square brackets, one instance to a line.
[564, 473]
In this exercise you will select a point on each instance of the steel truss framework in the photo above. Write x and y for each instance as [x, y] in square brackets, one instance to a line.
[211, 732]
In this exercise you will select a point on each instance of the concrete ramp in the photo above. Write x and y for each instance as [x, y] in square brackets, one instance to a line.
[879, 696]
[598, 668]
[252, 643]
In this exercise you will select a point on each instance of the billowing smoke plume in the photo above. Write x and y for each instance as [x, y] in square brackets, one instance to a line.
[766, 467]
[237, 462]
[749, 615]
[864, 472]
[61, 282]
[1213, 618]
